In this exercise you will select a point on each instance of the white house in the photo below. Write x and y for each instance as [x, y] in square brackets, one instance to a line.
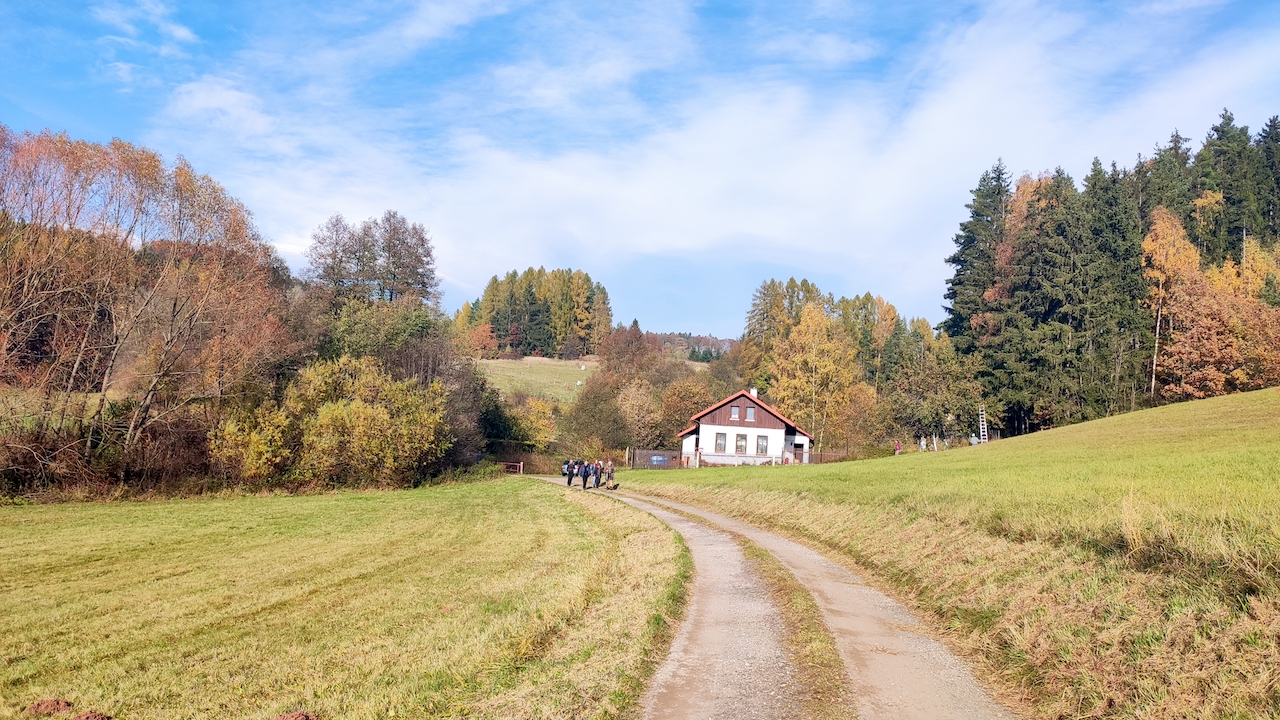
[743, 430]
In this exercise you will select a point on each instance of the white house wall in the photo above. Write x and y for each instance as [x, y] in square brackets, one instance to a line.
[707, 443]
[687, 445]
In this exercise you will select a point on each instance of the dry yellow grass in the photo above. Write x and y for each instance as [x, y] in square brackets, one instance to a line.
[1126, 568]
[510, 599]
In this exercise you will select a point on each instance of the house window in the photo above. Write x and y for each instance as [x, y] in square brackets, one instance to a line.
[751, 414]
[733, 412]
[762, 444]
[720, 442]
[741, 445]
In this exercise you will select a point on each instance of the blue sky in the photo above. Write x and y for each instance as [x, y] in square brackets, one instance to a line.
[680, 152]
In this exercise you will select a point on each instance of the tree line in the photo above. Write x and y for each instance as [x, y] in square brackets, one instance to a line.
[561, 313]
[1145, 285]
[150, 337]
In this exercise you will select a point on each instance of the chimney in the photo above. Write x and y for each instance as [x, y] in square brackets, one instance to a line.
[753, 392]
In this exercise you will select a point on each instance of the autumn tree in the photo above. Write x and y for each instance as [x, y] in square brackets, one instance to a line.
[129, 278]
[936, 393]
[1170, 261]
[815, 369]
[680, 400]
[561, 313]
[381, 258]
[344, 422]
[535, 422]
[642, 415]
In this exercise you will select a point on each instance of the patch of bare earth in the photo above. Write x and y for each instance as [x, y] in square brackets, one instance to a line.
[50, 706]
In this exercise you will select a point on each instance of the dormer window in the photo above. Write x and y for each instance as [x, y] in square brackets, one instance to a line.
[751, 414]
[733, 412]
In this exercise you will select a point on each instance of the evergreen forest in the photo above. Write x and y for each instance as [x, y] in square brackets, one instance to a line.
[560, 313]
[1068, 301]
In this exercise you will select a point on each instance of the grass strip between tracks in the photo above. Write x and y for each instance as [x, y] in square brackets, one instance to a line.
[824, 684]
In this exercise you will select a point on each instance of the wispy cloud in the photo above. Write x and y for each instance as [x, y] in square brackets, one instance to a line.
[662, 158]
[134, 19]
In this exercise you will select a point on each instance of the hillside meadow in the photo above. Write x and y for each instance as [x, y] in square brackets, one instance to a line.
[1126, 567]
[506, 599]
[542, 377]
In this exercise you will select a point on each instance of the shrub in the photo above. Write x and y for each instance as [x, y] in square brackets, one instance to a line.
[343, 422]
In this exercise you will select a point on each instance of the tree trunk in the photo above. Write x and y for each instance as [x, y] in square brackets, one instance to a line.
[1155, 352]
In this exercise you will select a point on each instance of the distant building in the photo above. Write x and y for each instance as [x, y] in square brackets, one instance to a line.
[743, 430]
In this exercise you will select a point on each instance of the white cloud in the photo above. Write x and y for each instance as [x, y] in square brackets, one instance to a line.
[127, 19]
[1179, 6]
[821, 48]
[862, 182]
[217, 103]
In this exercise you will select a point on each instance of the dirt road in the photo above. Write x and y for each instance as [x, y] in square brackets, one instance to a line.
[728, 659]
[897, 672]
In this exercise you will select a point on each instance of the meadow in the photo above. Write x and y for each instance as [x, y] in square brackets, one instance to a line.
[505, 599]
[544, 377]
[1126, 567]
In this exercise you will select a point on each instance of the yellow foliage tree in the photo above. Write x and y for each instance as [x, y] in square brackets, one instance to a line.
[815, 370]
[536, 422]
[1170, 260]
[1248, 279]
[642, 415]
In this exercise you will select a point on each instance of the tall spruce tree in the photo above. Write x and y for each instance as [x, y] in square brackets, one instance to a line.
[974, 258]
[1229, 163]
[1268, 143]
[1166, 180]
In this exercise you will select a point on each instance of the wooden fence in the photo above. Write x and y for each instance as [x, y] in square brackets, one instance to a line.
[656, 460]
[674, 459]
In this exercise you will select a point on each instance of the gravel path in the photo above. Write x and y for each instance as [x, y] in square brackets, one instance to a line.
[897, 672]
[728, 659]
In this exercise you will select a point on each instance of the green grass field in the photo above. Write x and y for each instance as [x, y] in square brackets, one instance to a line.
[499, 599]
[554, 379]
[1128, 567]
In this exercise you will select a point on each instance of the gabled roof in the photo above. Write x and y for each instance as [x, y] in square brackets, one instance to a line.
[741, 394]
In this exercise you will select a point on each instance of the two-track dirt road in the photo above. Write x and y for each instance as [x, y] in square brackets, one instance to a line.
[896, 671]
[728, 659]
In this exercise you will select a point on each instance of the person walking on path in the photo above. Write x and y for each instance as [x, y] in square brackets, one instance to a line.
[584, 473]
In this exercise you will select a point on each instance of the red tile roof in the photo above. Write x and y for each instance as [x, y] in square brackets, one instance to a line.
[735, 396]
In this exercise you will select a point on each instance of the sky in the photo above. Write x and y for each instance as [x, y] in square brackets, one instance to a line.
[680, 152]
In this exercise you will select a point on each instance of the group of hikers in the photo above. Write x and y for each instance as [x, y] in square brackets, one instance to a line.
[592, 474]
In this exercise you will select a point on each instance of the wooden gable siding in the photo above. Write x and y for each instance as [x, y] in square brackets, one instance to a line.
[764, 418]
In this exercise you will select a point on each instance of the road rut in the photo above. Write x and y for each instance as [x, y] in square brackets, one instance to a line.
[728, 659]
[896, 671]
